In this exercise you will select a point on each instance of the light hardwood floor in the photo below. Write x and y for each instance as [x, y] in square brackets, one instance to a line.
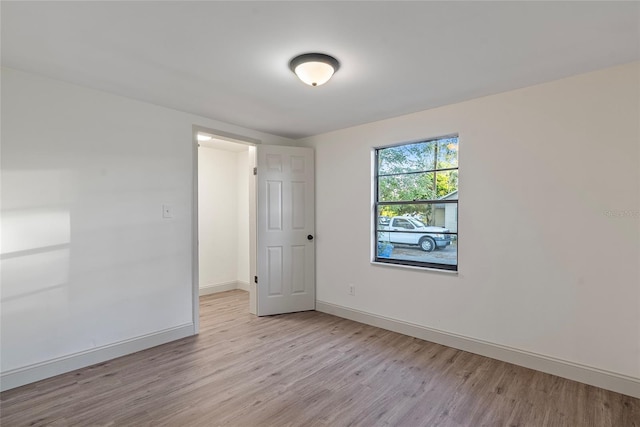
[308, 369]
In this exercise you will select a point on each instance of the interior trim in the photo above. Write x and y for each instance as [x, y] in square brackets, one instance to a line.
[40, 371]
[223, 287]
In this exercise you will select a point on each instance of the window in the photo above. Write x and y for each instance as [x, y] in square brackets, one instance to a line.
[416, 204]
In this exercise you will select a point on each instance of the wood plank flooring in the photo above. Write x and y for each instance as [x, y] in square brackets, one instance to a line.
[308, 369]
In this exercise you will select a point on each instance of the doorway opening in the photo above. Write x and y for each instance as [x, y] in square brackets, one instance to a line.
[225, 211]
[280, 181]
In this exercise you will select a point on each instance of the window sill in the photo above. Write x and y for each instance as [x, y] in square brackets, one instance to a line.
[411, 267]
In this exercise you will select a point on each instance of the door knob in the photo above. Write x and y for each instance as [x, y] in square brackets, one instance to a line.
[309, 237]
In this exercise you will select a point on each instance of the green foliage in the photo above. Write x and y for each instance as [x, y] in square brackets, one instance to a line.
[406, 174]
[446, 183]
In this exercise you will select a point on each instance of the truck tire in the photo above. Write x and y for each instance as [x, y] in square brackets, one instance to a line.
[427, 244]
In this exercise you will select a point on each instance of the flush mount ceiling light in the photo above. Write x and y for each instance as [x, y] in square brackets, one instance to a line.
[203, 137]
[314, 69]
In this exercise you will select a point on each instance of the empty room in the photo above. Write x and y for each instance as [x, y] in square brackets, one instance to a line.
[322, 213]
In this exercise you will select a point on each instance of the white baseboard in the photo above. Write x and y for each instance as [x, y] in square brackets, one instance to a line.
[218, 287]
[574, 371]
[39, 371]
[223, 287]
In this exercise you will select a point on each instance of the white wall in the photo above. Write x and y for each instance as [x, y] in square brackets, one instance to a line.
[549, 221]
[88, 262]
[217, 216]
[242, 195]
[223, 218]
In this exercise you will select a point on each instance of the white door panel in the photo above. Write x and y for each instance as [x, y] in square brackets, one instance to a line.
[285, 256]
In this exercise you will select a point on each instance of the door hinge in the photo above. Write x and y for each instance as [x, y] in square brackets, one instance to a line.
[255, 171]
[255, 279]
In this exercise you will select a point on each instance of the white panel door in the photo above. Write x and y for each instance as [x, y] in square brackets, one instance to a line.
[285, 237]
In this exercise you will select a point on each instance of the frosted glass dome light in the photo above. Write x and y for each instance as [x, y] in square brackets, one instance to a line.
[314, 69]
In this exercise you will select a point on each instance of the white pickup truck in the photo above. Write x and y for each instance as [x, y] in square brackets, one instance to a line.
[411, 231]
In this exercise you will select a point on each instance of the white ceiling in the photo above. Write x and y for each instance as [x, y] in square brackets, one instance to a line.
[229, 60]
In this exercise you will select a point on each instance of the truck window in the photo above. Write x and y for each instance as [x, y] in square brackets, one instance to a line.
[403, 223]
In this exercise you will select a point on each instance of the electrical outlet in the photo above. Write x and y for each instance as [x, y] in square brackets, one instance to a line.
[351, 289]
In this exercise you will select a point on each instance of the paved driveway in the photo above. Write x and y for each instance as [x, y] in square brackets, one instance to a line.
[447, 255]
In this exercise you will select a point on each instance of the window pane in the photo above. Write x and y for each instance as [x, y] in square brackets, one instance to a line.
[409, 230]
[442, 216]
[419, 237]
[407, 158]
[447, 153]
[442, 255]
[396, 188]
[447, 185]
